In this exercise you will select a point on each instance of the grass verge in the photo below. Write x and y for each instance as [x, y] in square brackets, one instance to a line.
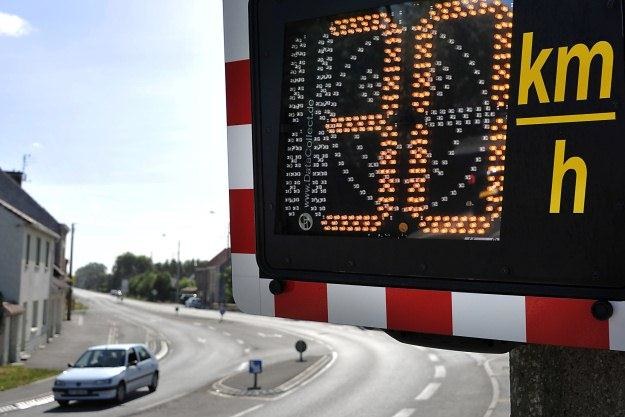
[16, 376]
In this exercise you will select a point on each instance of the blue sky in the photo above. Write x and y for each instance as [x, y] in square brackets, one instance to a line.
[121, 106]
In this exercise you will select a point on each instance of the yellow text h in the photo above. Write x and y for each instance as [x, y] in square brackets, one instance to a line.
[560, 168]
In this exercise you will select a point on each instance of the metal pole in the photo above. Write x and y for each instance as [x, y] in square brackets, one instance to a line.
[71, 274]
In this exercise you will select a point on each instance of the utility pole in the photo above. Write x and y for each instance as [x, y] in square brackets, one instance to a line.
[71, 274]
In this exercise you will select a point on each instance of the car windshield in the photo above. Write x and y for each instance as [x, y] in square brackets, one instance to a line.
[102, 358]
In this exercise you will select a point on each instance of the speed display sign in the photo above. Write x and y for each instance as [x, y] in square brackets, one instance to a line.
[467, 145]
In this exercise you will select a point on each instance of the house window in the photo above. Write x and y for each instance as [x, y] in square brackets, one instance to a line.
[27, 249]
[35, 321]
[38, 259]
[47, 253]
[44, 320]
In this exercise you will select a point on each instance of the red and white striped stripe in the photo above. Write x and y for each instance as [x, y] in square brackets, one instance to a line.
[564, 322]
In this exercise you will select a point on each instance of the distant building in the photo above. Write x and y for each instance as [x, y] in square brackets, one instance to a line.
[33, 279]
[210, 286]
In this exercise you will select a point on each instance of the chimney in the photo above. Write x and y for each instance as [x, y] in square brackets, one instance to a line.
[16, 176]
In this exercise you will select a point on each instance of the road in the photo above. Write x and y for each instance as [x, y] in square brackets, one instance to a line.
[366, 373]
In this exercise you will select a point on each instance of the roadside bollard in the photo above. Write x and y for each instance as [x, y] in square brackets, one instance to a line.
[301, 347]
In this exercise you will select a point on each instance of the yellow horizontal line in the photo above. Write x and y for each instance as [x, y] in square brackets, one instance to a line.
[567, 118]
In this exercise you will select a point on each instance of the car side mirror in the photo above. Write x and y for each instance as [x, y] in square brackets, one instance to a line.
[133, 362]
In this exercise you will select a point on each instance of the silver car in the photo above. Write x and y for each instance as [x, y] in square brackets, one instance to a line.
[107, 372]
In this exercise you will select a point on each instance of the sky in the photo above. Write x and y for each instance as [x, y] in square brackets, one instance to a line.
[121, 106]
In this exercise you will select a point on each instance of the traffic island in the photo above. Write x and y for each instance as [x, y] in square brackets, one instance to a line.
[275, 380]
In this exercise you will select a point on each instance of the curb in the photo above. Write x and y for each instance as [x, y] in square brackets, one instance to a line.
[220, 388]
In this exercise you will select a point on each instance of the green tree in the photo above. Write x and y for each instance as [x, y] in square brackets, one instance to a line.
[153, 286]
[92, 276]
[129, 265]
[226, 276]
[186, 282]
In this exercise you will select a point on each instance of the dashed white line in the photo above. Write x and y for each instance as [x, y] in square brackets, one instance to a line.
[201, 340]
[197, 323]
[433, 357]
[211, 327]
[440, 372]
[249, 410]
[241, 342]
[227, 334]
[428, 391]
[406, 412]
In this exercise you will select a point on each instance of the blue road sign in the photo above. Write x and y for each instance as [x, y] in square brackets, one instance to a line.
[256, 366]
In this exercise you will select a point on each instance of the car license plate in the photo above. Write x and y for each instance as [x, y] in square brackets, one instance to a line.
[77, 392]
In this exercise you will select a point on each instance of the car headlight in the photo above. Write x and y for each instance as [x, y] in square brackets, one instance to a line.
[103, 382]
[58, 383]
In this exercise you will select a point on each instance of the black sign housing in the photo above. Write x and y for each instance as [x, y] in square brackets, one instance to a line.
[455, 145]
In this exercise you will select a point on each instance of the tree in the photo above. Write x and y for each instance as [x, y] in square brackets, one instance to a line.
[187, 282]
[226, 277]
[92, 276]
[153, 286]
[129, 265]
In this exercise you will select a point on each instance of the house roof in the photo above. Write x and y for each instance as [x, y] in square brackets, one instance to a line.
[221, 258]
[19, 202]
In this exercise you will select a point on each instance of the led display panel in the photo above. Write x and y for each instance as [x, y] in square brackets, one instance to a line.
[394, 122]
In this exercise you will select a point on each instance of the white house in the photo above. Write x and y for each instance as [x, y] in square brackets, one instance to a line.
[32, 270]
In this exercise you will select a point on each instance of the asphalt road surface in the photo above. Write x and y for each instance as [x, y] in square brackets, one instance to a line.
[367, 373]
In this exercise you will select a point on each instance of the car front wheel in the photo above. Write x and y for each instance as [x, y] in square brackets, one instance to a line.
[63, 403]
[154, 384]
[120, 395]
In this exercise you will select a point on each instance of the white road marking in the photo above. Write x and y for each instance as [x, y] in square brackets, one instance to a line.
[24, 405]
[201, 340]
[164, 350]
[227, 334]
[239, 341]
[273, 335]
[249, 410]
[35, 402]
[433, 357]
[440, 372]
[428, 391]
[211, 327]
[496, 389]
[197, 323]
[81, 320]
[243, 366]
[247, 350]
[406, 412]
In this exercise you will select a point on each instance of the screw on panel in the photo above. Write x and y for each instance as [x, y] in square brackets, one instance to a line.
[505, 270]
[602, 310]
[276, 287]
[423, 267]
[351, 263]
